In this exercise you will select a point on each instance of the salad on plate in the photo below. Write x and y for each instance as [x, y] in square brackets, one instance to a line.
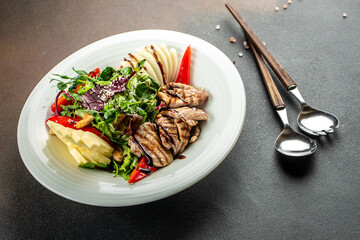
[133, 120]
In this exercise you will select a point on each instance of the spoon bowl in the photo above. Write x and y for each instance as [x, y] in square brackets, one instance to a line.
[292, 143]
[316, 122]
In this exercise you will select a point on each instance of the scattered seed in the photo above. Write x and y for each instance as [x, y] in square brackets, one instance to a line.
[289, 2]
[241, 54]
[234, 62]
[217, 27]
[246, 45]
[277, 9]
[285, 6]
[344, 15]
[233, 40]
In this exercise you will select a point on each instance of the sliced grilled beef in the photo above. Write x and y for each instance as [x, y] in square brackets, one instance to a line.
[188, 115]
[148, 141]
[179, 95]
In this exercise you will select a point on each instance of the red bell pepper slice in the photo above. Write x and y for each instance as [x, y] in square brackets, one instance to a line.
[141, 171]
[94, 73]
[61, 101]
[184, 71]
[71, 122]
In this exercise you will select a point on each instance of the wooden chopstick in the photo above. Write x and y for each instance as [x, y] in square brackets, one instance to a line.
[274, 94]
[271, 60]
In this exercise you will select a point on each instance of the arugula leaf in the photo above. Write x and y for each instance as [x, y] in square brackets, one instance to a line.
[154, 83]
[81, 77]
[85, 88]
[61, 86]
[80, 72]
[110, 113]
[140, 65]
[62, 76]
[141, 88]
[126, 71]
[129, 163]
[106, 74]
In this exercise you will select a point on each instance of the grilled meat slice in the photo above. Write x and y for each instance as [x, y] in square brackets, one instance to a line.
[179, 95]
[183, 130]
[135, 148]
[148, 141]
[164, 98]
[128, 123]
[194, 134]
[174, 133]
[167, 130]
[184, 134]
[188, 115]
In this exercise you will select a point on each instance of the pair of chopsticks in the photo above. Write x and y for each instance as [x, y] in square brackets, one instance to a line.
[260, 51]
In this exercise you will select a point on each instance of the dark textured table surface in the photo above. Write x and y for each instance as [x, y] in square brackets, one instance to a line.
[255, 193]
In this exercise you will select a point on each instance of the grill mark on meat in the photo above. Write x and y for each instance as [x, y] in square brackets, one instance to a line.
[174, 94]
[147, 156]
[188, 115]
[144, 144]
[165, 133]
[164, 97]
[135, 148]
[150, 143]
[180, 115]
[183, 130]
[187, 95]
[174, 133]
[184, 95]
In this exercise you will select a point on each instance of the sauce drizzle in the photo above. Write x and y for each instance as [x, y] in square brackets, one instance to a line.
[147, 156]
[181, 157]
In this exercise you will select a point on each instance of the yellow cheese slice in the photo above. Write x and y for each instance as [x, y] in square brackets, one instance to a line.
[81, 138]
[77, 142]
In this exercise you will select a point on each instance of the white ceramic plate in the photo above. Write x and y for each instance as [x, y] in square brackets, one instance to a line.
[48, 160]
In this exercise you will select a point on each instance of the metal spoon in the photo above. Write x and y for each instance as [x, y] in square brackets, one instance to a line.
[310, 120]
[313, 121]
[289, 142]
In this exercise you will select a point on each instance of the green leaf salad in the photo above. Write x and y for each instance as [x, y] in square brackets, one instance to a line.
[118, 100]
